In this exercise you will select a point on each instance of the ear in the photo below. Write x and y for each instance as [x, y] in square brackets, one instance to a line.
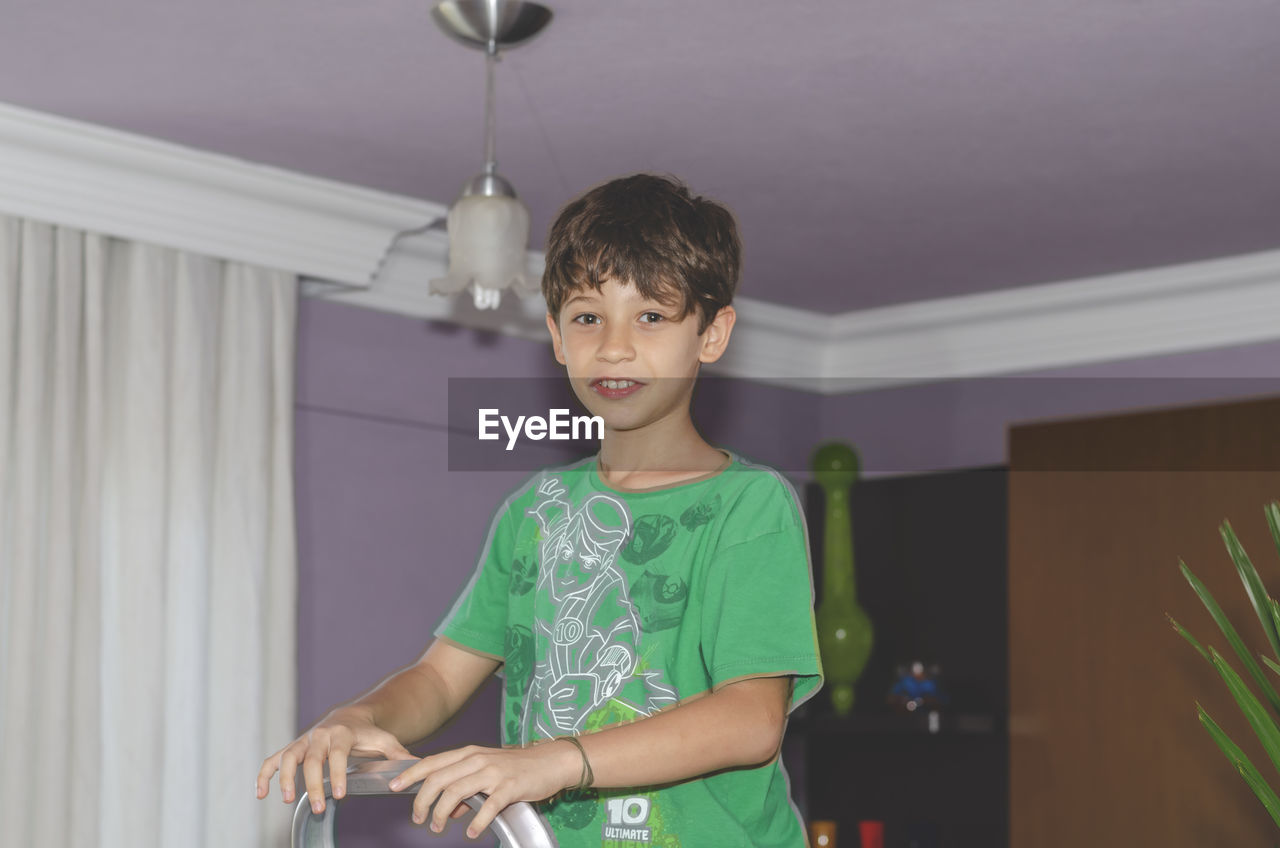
[715, 338]
[557, 344]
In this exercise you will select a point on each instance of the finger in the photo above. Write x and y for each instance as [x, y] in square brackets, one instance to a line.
[378, 743]
[288, 772]
[410, 776]
[270, 766]
[423, 800]
[443, 781]
[313, 774]
[427, 796]
[338, 770]
[389, 746]
[451, 796]
[488, 811]
[425, 766]
[459, 811]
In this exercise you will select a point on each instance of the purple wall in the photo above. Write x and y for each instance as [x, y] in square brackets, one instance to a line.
[964, 423]
[388, 536]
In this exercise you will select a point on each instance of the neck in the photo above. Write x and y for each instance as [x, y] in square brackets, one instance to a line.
[659, 454]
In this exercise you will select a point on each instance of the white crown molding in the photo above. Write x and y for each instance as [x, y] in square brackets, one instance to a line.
[336, 236]
[1146, 313]
[1155, 312]
[92, 178]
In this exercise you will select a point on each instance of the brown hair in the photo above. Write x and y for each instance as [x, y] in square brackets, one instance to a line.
[648, 231]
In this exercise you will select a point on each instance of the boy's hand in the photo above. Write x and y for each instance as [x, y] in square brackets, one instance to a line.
[506, 775]
[338, 736]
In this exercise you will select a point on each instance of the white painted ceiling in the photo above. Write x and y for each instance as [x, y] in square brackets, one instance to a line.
[875, 152]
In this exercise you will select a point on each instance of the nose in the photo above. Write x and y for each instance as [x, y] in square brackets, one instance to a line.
[615, 344]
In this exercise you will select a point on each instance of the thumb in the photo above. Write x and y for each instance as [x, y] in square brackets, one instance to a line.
[390, 747]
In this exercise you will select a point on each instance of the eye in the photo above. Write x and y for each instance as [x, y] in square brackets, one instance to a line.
[652, 317]
[586, 318]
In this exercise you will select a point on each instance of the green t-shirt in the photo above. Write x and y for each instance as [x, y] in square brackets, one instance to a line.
[607, 606]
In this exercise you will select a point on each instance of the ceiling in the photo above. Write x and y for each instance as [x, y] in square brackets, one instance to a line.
[874, 152]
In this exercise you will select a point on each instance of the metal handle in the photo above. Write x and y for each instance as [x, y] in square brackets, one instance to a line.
[518, 826]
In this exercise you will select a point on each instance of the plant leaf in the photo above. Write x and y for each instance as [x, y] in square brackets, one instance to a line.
[1270, 663]
[1263, 724]
[1237, 758]
[1195, 643]
[1275, 613]
[1272, 511]
[1252, 584]
[1237, 644]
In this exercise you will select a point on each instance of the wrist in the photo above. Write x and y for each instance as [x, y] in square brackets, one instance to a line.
[580, 775]
[569, 765]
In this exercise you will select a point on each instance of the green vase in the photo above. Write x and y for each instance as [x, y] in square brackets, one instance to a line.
[844, 630]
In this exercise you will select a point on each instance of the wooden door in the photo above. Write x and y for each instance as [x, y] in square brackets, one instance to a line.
[1105, 746]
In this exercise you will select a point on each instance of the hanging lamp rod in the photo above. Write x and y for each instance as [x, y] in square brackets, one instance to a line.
[490, 25]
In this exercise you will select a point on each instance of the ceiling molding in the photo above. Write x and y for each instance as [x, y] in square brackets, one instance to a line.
[336, 236]
[120, 184]
[1154, 312]
[1147, 313]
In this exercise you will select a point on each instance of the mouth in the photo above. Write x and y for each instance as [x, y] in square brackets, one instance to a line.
[615, 387]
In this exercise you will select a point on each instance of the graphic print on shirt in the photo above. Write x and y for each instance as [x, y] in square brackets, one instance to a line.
[587, 630]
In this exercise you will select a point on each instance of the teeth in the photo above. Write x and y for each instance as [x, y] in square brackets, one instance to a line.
[617, 384]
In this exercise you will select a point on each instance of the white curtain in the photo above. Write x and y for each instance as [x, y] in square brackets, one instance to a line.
[147, 574]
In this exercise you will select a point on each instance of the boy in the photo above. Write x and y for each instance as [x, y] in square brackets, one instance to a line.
[651, 606]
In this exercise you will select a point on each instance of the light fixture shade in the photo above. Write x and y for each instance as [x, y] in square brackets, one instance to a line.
[487, 241]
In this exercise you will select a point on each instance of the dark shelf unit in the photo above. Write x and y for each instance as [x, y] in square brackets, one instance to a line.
[917, 723]
[931, 553]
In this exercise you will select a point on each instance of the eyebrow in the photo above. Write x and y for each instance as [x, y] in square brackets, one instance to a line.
[582, 296]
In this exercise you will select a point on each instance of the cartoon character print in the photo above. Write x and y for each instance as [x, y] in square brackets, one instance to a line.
[518, 651]
[572, 810]
[700, 513]
[652, 536]
[587, 629]
[524, 573]
[661, 600]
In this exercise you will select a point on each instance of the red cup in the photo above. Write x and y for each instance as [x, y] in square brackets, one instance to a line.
[872, 833]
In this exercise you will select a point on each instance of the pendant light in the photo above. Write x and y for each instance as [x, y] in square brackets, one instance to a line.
[488, 225]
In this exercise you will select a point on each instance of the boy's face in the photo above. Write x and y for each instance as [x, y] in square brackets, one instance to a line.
[632, 360]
